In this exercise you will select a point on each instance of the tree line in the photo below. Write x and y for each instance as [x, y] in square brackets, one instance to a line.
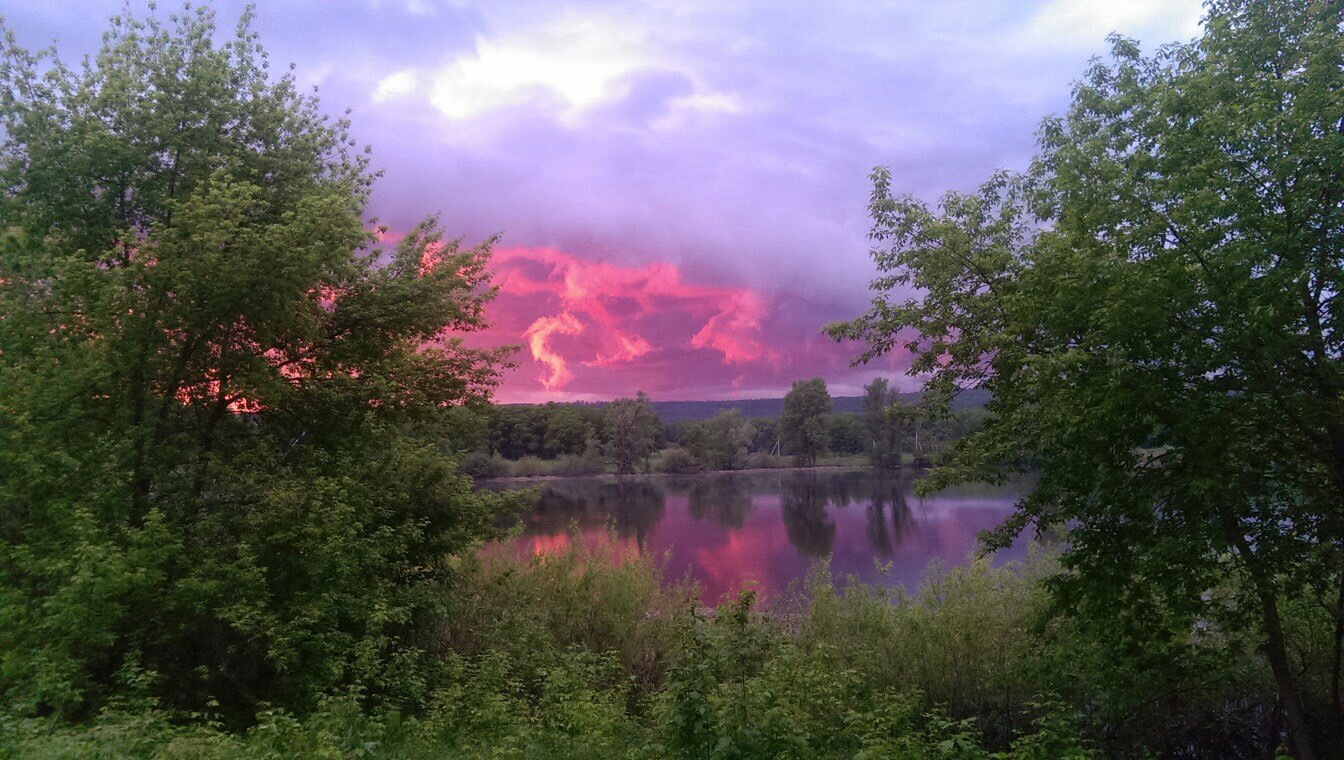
[626, 435]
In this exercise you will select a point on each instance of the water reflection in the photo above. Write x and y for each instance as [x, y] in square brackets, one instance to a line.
[726, 529]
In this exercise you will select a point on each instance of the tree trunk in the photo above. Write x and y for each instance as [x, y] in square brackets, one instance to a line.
[1336, 698]
[1277, 652]
[1274, 645]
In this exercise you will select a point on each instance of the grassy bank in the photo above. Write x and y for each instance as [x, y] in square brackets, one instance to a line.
[586, 655]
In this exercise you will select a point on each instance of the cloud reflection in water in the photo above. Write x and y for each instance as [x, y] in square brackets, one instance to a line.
[770, 528]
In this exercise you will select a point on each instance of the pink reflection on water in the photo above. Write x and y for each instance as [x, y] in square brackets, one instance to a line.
[769, 529]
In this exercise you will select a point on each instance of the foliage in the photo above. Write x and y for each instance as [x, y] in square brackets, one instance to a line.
[721, 442]
[802, 424]
[546, 431]
[233, 524]
[590, 653]
[759, 461]
[884, 418]
[519, 440]
[1153, 309]
[221, 474]
[845, 435]
[675, 460]
[632, 430]
[592, 650]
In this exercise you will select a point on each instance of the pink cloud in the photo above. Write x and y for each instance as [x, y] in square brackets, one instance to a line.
[631, 347]
[730, 332]
[594, 329]
[538, 337]
[618, 305]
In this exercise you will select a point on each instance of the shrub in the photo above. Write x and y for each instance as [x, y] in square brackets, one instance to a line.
[571, 465]
[479, 465]
[531, 467]
[760, 461]
[676, 461]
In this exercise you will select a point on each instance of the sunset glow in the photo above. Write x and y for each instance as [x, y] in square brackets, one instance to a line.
[680, 190]
[602, 316]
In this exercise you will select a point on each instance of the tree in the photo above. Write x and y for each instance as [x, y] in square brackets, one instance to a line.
[632, 430]
[222, 480]
[721, 441]
[846, 434]
[802, 423]
[765, 435]
[1154, 309]
[567, 430]
[884, 423]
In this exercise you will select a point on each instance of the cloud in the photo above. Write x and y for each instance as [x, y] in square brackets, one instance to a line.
[394, 85]
[619, 302]
[1083, 22]
[574, 60]
[629, 348]
[703, 165]
[597, 329]
[730, 331]
[538, 336]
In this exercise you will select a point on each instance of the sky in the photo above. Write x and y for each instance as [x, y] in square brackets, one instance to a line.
[680, 185]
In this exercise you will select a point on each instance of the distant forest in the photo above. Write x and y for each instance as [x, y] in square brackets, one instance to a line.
[884, 428]
[770, 408]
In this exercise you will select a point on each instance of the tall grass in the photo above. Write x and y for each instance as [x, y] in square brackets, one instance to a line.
[592, 653]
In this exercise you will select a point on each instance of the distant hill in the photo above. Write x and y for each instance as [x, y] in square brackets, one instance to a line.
[765, 408]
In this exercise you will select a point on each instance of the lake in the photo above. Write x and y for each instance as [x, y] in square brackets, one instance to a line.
[769, 526]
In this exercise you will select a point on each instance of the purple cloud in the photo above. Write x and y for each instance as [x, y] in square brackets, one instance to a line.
[729, 140]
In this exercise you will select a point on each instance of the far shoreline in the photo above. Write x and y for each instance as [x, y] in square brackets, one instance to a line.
[614, 477]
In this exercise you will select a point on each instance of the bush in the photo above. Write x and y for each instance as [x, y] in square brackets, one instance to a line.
[590, 653]
[531, 467]
[479, 465]
[601, 599]
[760, 461]
[572, 465]
[676, 461]
[965, 638]
[568, 465]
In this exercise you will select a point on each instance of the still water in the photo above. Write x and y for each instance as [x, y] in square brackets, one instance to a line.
[769, 527]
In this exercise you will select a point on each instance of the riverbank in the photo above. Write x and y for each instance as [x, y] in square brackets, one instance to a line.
[613, 477]
[496, 468]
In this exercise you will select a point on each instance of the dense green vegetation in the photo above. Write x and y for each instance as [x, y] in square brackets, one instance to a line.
[233, 521]
[1153, 307]
[592, 439]
[586, 655]
[221, 470]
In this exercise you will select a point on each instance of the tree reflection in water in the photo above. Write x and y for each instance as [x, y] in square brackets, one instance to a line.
[803, 498]
[769, 526]
[722, 500]
[887, 497]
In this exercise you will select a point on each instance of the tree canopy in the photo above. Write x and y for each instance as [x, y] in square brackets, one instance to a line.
[632, 432]
[1154, 308]
[219, 481]
[802, 423]
[884, 420]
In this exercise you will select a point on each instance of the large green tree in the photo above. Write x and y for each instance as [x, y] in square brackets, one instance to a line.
[721, 441]
[220, 401]
[802, 422]
[632, 428]
[885, 420]
[1155, 309]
